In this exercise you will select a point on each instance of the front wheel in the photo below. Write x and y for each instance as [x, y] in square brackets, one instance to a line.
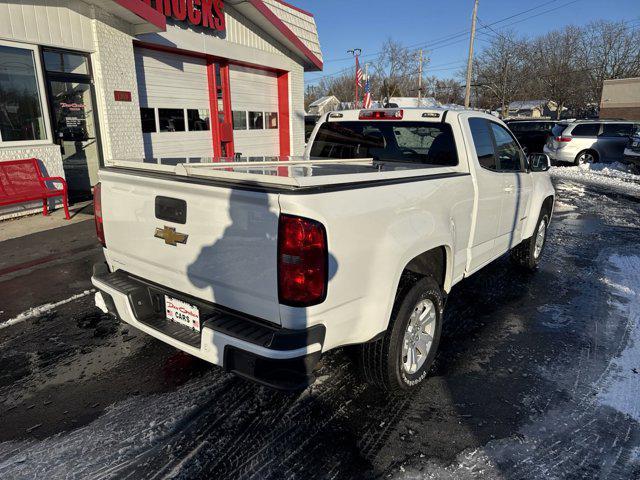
[586, 156]
[528, 253]
[401, 359]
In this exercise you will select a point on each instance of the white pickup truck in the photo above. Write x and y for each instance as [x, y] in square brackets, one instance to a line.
[262, 266]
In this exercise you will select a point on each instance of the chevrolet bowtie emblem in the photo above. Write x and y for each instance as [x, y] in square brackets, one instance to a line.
[170, 236]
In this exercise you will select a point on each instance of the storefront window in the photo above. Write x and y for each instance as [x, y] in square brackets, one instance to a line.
[148, 117]
[21, 117]
[198, 120]
[66, 62]
[256, 120]
[272, 120]
[171, 119]
[239, 120]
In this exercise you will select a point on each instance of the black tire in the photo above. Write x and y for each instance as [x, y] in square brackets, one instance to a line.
[524, 255]
[593, 155]
[381, 360]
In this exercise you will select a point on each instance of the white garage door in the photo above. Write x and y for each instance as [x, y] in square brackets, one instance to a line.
[173, 90]
[254, 101]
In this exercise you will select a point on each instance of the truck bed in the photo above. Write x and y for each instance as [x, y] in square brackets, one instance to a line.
[286, 173]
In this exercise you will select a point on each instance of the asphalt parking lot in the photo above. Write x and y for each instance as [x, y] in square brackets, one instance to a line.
[538, 377]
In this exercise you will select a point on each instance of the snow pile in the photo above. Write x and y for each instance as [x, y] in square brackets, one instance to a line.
[617, 176]
[622, 385]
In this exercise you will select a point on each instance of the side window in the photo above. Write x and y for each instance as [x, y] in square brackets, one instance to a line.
[586, 130]
[483, 143]
[507, 150]
[617, 130]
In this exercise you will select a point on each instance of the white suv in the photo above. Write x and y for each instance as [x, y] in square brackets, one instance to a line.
[586, 141]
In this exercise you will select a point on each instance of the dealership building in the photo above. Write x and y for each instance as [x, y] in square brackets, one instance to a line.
[83, 82]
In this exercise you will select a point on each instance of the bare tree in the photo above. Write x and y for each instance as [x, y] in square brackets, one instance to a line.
[608, 50]
[567, 66]
[555, 58]
[499, 70]
[445, 91]
[396, 70]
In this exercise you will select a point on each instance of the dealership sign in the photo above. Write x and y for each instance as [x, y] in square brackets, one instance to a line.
[205, 13]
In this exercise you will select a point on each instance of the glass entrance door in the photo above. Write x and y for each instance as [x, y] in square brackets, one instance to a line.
[73, 118]
[75, 131]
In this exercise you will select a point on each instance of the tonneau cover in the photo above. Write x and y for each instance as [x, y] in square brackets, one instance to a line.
[287, 172]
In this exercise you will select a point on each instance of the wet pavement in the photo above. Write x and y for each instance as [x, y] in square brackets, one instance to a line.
[538, 377]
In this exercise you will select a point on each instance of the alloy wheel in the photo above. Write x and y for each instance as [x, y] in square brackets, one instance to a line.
[418, 337]
[542, 230]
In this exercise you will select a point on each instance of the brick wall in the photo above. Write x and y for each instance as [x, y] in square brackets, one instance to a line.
[114, 69]
[626, 113]
[297, 110]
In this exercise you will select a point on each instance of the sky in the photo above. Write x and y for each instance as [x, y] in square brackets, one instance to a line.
[434, 24]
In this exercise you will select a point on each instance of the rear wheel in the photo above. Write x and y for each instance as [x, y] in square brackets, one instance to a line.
[586, 156]
[528, 253]
[401, 359]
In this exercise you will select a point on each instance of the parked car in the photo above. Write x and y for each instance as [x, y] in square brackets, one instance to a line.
[532, 134]
[587, 141]
[262, 267]
[632, 150]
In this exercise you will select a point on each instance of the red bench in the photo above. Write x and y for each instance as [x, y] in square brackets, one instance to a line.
[22, 181]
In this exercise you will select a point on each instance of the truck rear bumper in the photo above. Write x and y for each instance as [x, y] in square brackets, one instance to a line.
[268, 354]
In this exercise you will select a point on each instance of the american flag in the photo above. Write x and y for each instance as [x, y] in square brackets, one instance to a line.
[366, 101]
[359, 73]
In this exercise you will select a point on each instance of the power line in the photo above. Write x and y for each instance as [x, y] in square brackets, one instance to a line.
[442, 41]
[464, 32]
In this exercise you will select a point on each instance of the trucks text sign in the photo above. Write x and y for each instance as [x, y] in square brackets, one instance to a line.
[205, 13]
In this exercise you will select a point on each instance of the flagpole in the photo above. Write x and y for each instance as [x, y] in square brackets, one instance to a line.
[356, 53]
[366, 79]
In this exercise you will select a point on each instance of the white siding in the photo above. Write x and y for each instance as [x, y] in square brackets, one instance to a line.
[167, 80]
[257, 91]
[58, 23]
[303, 25]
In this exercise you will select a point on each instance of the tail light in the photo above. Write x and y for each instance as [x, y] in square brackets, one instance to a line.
[562, 139]
[97, 213]
[302, 261]
[393, 114]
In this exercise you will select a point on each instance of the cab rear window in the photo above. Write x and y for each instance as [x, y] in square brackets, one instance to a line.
[407, 142]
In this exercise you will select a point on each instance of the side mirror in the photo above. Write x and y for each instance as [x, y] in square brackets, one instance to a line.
[539, 162]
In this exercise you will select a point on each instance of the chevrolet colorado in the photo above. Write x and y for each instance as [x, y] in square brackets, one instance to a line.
[261, 266]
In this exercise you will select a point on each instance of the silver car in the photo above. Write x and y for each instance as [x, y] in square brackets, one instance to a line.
[632, 152]
[586, 141]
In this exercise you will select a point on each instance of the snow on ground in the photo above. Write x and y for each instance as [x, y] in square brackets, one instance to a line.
[126, 432]
[622, 388]
[617, 176]
[536, 451]
[39, 310]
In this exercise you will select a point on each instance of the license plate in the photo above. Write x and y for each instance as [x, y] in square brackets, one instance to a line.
[182, 312]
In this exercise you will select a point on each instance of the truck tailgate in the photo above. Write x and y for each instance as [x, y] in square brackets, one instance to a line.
[230, 253]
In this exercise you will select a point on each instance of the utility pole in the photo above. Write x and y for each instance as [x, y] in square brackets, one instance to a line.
[356, 53]
[420, 79]
[467, 95]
